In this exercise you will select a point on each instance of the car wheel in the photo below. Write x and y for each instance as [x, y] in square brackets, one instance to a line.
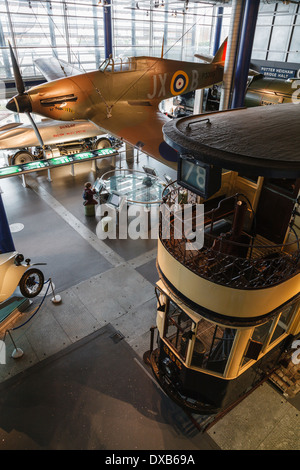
[23, 156]
[103, 143]
[31, 282]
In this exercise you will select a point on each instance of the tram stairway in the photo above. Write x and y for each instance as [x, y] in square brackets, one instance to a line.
[287, 379]
[190, 424]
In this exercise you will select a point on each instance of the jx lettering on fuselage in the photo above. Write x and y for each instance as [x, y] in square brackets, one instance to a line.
[162, 92]
[179, 83]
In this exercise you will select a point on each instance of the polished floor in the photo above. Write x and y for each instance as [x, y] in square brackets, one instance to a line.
[81, 382]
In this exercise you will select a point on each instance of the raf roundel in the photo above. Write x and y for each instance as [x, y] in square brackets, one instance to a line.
[179, 82]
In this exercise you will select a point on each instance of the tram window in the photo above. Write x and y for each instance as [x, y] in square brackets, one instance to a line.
[259, 335]
[261, 332]
[178, 328]
[283, 321]
[283, 185]
[251, 178]
[212, 346]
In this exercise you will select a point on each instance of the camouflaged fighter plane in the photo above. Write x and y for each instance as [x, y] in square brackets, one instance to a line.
[121, 97]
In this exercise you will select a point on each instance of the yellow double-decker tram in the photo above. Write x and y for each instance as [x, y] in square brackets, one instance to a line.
[228, 310]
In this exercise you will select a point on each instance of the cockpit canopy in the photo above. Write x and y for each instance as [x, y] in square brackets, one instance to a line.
[119, 64]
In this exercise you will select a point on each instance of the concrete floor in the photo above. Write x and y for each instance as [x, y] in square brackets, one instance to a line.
[77, 386]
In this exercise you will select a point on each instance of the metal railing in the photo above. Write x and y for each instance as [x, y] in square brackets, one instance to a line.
[246, 262]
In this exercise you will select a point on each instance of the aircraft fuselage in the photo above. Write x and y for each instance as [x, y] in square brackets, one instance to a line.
[123, 97]
[150, 81]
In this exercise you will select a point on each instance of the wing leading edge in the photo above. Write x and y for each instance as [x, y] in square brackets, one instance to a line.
[53, 68]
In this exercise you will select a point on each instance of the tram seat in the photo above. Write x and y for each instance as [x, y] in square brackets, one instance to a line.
[184, 344]
[218, 208]
[198, 353]
[217, 365]
[221, 226]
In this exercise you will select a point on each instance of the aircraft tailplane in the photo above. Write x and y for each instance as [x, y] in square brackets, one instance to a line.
[207, 58]
[219, 58]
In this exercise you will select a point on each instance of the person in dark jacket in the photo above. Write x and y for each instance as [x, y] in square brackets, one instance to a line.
[89, 194]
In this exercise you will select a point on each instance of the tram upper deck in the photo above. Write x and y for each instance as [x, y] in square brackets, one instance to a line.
[249, 264]
[229, 306]
[237, 273]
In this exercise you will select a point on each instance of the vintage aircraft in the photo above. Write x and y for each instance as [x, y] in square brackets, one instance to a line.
[121, 97]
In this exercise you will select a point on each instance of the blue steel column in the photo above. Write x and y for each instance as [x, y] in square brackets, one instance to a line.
[218, 29]
[107, 29]
[245, 51]
[6, 241]
[234, 34]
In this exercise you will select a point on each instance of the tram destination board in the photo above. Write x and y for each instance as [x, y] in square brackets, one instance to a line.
[38, 165]
[200, 178]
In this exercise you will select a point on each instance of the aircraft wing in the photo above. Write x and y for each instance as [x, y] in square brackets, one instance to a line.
[11, 125]
[53, 68]
[140, 125]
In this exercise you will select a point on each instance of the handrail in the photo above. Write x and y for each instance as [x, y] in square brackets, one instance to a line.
[233, 242]
[232, 262]
[232, 271]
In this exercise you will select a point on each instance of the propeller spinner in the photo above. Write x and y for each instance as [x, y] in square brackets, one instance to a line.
[21, 103]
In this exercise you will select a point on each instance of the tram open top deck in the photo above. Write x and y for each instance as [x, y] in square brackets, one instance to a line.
[260, 141]
[228, 312]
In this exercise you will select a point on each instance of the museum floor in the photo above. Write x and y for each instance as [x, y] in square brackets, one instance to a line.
[78, 385]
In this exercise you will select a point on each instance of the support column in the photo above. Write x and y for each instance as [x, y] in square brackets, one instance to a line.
[129, 153]
[52, 29]
[6, 241]
[133, 29]
[198, 102]
[236, 21]
[96, 36]
[66, 32]
[107, 29]
[4, 53]
[245, 51]
[218, 29]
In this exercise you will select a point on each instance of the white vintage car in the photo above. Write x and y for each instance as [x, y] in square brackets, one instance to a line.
[60, 138]
[14, 272]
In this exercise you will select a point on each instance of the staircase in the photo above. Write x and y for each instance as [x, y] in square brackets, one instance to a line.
[287, 379]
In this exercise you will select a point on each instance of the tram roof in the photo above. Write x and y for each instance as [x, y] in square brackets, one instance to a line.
[261, 141]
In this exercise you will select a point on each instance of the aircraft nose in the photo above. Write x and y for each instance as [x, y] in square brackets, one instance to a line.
[11, 105]
[20, 104]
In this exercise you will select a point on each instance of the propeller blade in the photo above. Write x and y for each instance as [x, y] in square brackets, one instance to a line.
[14, 103]
[17, 74]
[37, 133]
